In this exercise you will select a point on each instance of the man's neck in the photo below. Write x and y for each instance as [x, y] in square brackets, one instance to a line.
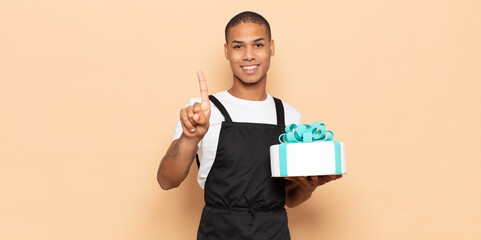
[252, 92]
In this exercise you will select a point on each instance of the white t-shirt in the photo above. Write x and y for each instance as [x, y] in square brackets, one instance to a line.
[240, 110]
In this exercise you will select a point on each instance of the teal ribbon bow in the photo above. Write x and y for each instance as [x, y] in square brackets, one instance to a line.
[305, 133]
[316, 132]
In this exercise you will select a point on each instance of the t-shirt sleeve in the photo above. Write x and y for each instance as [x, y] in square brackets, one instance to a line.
[292, 115]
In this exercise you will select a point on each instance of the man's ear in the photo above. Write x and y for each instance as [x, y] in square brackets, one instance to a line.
[273, 47]
[225, 51]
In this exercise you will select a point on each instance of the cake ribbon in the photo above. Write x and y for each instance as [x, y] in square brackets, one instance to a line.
[305, 133]
[316, 132]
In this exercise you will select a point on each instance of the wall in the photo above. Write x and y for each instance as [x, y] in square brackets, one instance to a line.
[90, 93]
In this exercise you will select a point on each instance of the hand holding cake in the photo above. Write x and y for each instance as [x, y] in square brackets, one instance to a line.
[310, 183]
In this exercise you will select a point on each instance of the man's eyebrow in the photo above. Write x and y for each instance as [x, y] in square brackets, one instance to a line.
[255, 40]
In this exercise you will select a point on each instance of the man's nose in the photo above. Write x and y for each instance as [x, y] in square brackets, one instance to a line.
[249, 54]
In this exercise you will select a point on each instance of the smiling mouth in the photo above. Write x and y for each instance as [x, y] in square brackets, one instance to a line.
[250, 67]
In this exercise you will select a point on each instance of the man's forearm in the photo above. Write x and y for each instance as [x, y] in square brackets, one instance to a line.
[299, 189]
[295, 195]
[175, 165]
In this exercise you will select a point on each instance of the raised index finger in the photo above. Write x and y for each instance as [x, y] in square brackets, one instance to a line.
[203, 91]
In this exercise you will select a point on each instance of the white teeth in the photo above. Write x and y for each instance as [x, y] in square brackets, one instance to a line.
[249, 67]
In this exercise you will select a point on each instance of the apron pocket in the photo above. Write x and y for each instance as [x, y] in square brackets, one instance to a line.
[222, 224]
[216, 225]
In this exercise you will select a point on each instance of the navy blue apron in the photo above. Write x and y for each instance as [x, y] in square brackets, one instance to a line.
[242, 200]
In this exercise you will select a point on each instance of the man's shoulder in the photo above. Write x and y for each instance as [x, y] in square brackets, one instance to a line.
[290, 108]
[291, 113]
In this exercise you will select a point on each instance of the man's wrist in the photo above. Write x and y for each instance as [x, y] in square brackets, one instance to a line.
[306, 191]
[189, 140]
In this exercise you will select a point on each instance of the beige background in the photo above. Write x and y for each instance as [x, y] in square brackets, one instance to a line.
[90, 93]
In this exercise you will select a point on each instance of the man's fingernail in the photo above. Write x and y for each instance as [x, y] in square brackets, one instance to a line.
[192, 130]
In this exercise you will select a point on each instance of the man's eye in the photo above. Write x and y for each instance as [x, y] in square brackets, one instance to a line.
[237, 46]
[259, 45]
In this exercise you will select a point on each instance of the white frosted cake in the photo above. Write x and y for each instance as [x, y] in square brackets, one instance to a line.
[308, 159]
[307, 150]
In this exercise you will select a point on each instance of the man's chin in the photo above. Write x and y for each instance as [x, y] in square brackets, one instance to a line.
[249, 81]
[252, 82]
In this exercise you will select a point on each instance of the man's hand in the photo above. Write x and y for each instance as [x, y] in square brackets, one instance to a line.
[176, 163]
[195, 119]
[310, 183]
[299, 189]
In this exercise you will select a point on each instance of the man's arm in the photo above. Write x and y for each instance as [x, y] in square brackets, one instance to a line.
[176, 163]
[299, 189]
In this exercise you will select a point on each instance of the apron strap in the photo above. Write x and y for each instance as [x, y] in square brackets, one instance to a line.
[279, 111]
[220, 107]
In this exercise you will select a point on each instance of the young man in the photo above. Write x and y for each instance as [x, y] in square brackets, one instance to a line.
[231, 132]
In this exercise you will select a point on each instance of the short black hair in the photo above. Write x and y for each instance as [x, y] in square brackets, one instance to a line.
[248, 17]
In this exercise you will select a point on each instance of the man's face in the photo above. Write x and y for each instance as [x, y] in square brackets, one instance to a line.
[249, 52]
